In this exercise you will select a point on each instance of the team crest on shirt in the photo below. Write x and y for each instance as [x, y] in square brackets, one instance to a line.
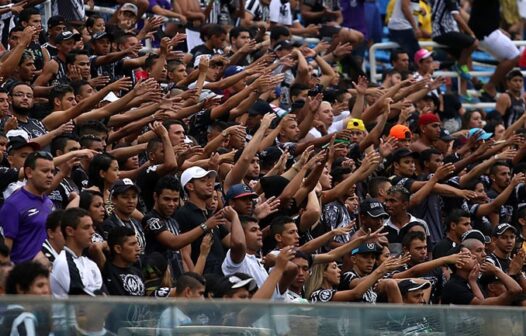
[154, 224]
[325, 295]
[132, 284]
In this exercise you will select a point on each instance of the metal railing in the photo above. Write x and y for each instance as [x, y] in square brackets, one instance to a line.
[375, 76]
[127, 316]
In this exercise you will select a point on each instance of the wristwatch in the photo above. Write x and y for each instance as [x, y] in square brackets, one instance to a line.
[204, 227]
[224, 133]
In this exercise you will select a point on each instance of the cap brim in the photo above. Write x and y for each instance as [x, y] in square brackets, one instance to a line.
[485, 136]
[376, 214]
[33, 145]
[487, 239]
[250, 282]
[424, 285]
[124, 188]
[252, 194]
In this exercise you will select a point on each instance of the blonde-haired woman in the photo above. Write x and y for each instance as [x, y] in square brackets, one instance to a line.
[320, 285]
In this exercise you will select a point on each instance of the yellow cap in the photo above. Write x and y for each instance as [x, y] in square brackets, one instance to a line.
[356, 123]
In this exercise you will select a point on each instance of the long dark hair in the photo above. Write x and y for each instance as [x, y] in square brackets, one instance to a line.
[99, 162]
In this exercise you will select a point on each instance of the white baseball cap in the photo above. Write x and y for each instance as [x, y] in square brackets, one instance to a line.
[194, 173]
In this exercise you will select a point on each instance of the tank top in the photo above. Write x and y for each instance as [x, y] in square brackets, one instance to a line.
[515, 110]
[36, 50]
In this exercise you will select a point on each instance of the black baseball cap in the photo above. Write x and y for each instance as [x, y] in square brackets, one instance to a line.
[373, 208]
[402, 153]
[99, 35]
[66, 36]
[366, 248]
[121, 186]
[514, 73]
[17, 142]
[260, 107]
[476, 234]
[501, 228]
[409, 285]
[55, 21]
[445, 135]
[270, 155]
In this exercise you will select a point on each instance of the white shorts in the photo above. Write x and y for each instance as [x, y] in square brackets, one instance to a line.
[499, 46]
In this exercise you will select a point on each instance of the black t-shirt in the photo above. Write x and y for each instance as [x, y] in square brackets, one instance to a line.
[7, 176]
[457, 291]
[60, 196]
[114, 221]
[80, 177]
[190, 216]
[123, 281]
[322, 295]
[146, 181]
[154, 224]
[370, 296]
[484, 17]
[442, 248]
[315, 6]
[503, 264]
[112, 70]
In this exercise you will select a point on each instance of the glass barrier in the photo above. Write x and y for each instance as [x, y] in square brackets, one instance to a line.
[152, 317]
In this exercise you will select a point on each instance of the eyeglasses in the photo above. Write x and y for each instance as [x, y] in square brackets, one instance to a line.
[22, 94]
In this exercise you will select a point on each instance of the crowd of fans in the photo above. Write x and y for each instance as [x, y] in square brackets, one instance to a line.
[234, 158]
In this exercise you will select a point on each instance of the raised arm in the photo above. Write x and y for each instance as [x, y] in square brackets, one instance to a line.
[239, 170]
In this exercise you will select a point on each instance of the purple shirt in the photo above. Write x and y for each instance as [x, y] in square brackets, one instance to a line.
[353, 13]
[23, 219]
[161, 3]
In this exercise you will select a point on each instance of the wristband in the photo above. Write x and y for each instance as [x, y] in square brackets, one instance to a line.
[204, 227]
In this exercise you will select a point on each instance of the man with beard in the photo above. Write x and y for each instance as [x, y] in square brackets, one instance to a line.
[429, 126]
[162, 231]
[22, 104]
[24, 214]
[199, 186]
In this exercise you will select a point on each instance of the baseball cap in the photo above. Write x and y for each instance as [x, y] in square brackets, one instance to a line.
[129, 7]
[514, 73]
[67, 35]
[400, 132]
[55, 21]
[445, 135]
[273, 185]
[366, 248]
[260, 107]
[208, 94]
[501, 228]
[422, 54]
[121, 186]
[270, 155]
[235, 281]
[476, 234]
[355, 123]
[194, 173]
[232, 70]
[285, 44]
[403, 152]
[427, 118]
[238, 191]
[373, 208]
[110, 97]
[408, 285]
[19, 141]
[483, 135]
[99, 35]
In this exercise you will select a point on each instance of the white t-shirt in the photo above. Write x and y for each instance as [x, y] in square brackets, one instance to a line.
[280, 13]
[252, 266]
[398, 20]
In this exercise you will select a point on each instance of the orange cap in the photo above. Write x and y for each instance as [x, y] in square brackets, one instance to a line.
[400, 132]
